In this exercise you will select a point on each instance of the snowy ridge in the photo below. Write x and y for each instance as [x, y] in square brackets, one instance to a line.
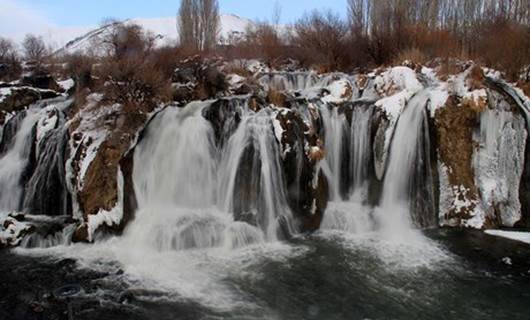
[165, 30]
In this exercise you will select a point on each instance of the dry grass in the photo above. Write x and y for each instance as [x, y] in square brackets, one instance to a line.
[477, 105]
[412, 55]
[475, 78]
[276, 98]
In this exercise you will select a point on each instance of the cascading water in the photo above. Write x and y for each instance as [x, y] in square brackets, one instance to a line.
[46, 192]
[360, 150]
[14, 162]
[393, 214]
[348, 146]
[193, 195]
[289, 81]
[336, 129]
[250, 180]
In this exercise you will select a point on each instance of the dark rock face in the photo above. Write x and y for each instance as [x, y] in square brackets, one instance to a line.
[130, 204]
[9, 131]
[22, 97]
[307, 188]
[224, 115]
[455, 124]
[198, 79]
[246, 197]
[423, 202]
[46, 191]
[41, 80]
[100, 189]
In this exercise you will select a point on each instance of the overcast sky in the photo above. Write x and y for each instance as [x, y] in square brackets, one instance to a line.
[23, 16]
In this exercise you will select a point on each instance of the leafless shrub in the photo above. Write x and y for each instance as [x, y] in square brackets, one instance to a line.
[35, 49]
[320, 39]
[10, 67]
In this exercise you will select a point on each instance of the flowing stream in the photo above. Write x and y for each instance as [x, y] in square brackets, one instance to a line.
[214, 236]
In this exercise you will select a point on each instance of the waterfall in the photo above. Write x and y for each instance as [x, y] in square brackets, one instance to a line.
[15, 158]
[360, 149]
[251, 180]
[292, 81]
[194, 194]
[336, 133]
[347, 166]
[394, 215]
[46, 192]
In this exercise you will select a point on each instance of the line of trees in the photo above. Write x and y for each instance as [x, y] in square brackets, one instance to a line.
[376, 32]
[382, 32]
[198, 24]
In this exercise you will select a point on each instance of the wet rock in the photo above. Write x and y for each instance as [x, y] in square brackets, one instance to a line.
[21, 97]
[40, 79]
[379, 146]
[108, 133]
[302, 151]
[225, 115]
[203, 76]
[459, 196]
[130, 203]
[81, 234]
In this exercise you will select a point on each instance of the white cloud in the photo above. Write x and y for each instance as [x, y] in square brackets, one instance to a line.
[17, 19]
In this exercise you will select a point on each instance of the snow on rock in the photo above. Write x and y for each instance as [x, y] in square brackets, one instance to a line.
[88, 133]
[499, 161]
[513, 235]
[72, 40]
[66, 84]
[12, 231]
[437, 98]
[340, 91]
[396, 86]
[234, 80]
[455, 199]
[397, 79]
[109, 218]
[4, 92]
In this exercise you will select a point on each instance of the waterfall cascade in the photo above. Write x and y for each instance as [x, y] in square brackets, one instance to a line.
[15, 159]
[234, 171]
[190, 192]
[394, 214]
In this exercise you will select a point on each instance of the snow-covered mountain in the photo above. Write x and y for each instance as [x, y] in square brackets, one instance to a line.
[69, 40]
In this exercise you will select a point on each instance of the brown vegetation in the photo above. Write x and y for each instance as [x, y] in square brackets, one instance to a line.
[10, 66]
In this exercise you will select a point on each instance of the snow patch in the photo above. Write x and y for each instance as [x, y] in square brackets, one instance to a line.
[513, 235]
[66, 84]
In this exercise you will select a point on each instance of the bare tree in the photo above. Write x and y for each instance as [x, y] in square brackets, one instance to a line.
[7, 49]
[126, 40]
[198, 24]
[10, 67]
[276, 13]
[34, 49]
[320, 37]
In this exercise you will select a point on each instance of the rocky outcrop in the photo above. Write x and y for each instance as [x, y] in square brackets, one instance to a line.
[198, 79]
[16, 98]
[472, 170]
[101, 136]
[455, 124]
[302, 151]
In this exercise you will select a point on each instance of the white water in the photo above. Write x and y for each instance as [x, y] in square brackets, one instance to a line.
[393, 215]
[289, 81]
[347, 212]
[360, 149]
[14, 162]
[184, 240]
[499, 163]
[255, 131]
[175, 177]
[336, 129]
